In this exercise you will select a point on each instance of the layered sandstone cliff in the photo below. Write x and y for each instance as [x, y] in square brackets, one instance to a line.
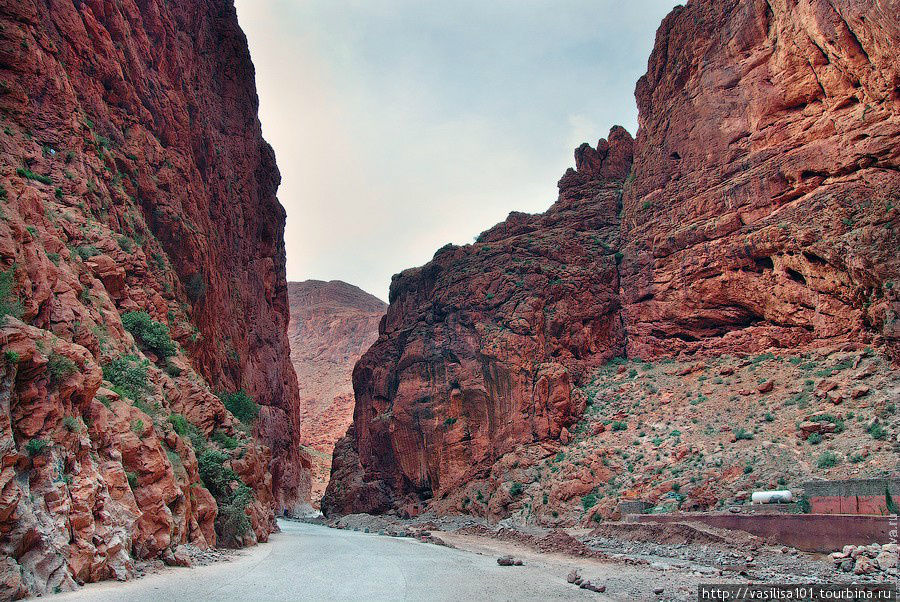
[331, 325]
[760, 213]
[142, 271]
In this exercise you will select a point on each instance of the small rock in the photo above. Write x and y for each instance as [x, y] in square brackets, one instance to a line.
[572, 576]
[658, 591]
[508, 561]
[592, 587]
[864, 566]
[886, 560]
[858, 392]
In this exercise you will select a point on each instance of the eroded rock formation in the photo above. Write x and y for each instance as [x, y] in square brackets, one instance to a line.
[763, 209]
[480, 348]
[135, 183]
[760, 212]
[331, 325]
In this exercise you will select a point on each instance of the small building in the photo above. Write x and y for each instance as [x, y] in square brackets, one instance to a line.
[854, 496]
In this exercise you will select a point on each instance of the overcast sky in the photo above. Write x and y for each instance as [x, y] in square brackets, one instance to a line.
[401, 125]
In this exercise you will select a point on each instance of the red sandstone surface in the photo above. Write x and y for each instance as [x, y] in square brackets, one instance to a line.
[134, 177]
[756, 211]
[331, 325]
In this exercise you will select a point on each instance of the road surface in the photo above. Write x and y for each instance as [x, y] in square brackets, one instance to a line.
[312, 562]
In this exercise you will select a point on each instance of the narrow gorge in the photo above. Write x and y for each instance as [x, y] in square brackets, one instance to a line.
[332, 324]
[707, 313]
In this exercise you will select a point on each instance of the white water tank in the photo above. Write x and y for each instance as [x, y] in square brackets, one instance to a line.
[771, 497]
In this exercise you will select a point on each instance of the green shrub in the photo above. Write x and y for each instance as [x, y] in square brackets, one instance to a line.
[132, 479]
[10, 305]
[36, 447]
[179, 423]
[837, 422]
[30, 175]
[125, 243]
[223, 439]
[827, 460]
[618, 425]
[11, 357]
[71, 424]
[128, 376]
[589, 501]
[150, 334]
[516, 489]
[814, 438]
[877, 431]
[803, 505]
[241, 405]
[184, 427]
[742, 434]
[137, 427]
[232, 521]
[60, 367]
[87, 251]
[172, 370]
[449, 421]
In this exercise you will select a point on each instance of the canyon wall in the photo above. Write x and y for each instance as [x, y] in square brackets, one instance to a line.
[142, 286]
[331, 325]
[764, 198]
[480, 348]
[760, 213]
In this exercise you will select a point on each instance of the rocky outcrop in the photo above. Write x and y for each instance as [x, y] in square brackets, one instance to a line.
[141, 269]
[331, 325]
[760, 212]
[480, 348]
[763, 210]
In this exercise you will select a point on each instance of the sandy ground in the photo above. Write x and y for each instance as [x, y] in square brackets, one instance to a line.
[623, 581]
[312, 562]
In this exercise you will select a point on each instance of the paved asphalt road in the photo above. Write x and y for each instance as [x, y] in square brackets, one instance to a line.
[311, 562]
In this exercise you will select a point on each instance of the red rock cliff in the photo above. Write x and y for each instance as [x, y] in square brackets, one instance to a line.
[332, 324]
[135, 179]
[480, 348]
[764, 204]
[760, 212]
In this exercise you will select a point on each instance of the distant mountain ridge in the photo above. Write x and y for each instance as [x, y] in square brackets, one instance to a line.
[331, 325]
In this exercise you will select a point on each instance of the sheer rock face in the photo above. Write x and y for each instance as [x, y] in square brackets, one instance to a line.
[764, 208]
[761, 212]
[331, 325]
[479, 349]
[134, 178]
